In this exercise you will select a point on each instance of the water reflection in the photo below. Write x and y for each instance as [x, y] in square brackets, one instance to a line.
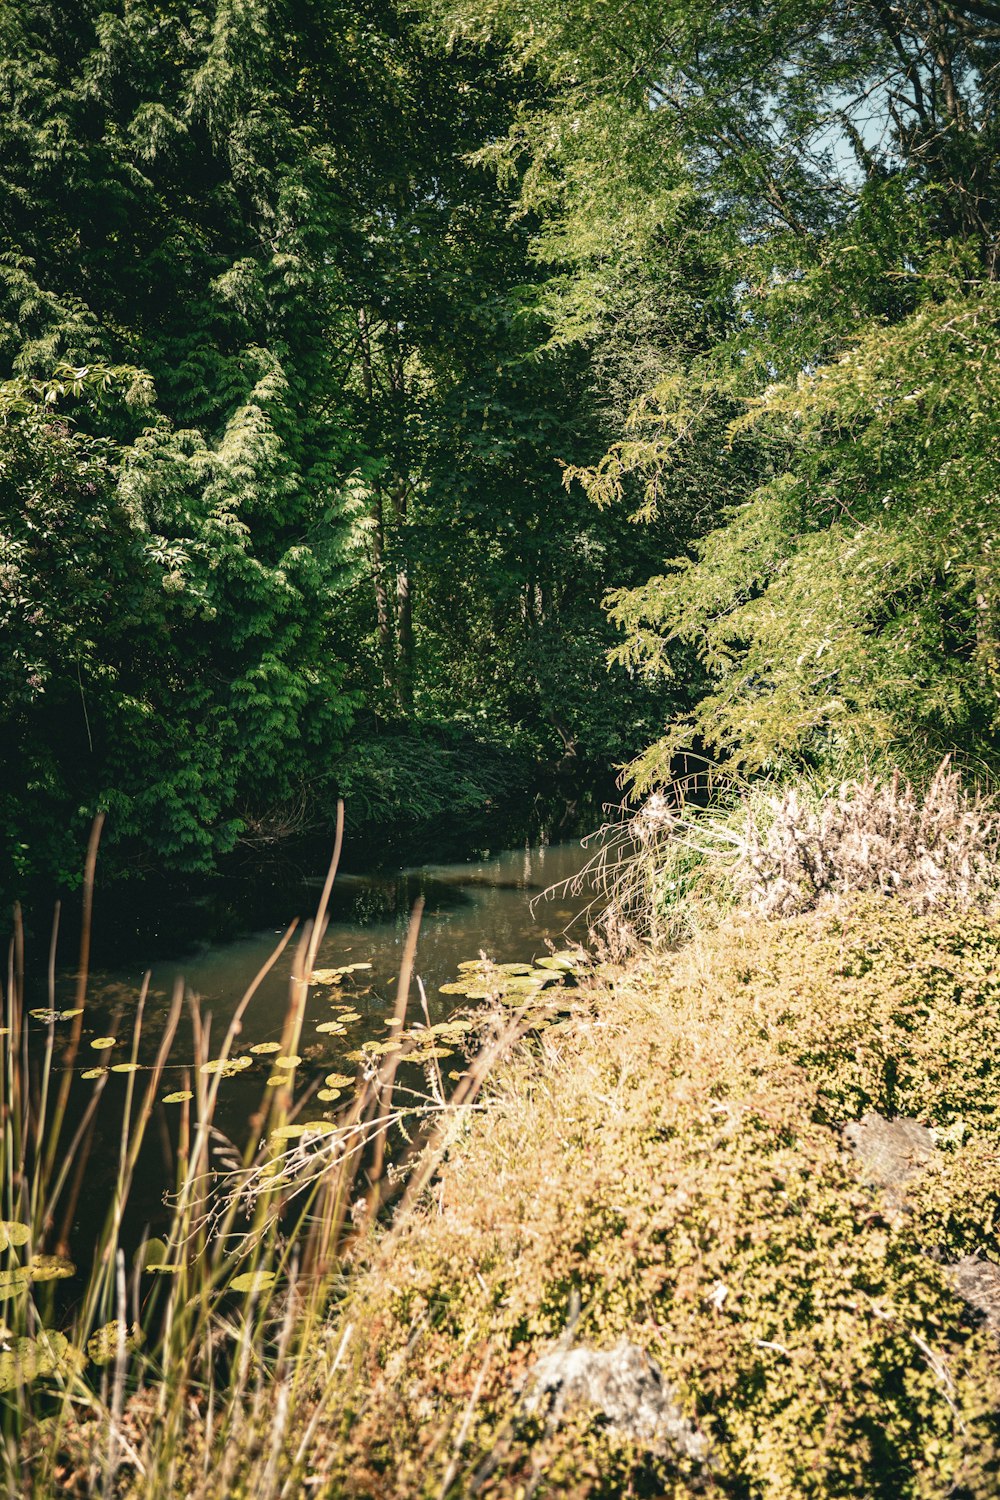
[469, 908]
[472, 908]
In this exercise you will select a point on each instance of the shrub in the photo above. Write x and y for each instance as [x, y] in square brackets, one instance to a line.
[673, 1157]
[942, 844]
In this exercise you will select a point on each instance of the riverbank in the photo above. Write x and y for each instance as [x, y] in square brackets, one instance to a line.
[673, 1251]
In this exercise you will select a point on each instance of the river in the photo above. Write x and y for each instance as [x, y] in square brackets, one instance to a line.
[497, 906]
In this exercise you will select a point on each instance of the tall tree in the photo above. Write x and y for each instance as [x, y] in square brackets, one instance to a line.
[836, 169]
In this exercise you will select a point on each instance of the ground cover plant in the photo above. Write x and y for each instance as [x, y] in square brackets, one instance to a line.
[668, 1167]
[665, 1173]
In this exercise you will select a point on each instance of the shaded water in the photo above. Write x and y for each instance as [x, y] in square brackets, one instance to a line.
[470, 908]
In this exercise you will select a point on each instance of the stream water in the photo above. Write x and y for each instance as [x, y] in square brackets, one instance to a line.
[497, 906]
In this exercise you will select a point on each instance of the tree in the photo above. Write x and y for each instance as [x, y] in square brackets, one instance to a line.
[836, 173]
[170, 205]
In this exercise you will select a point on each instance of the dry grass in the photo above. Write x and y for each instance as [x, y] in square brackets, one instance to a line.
[662, 872]
[930, 847]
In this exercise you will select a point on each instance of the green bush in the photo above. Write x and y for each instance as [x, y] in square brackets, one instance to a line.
[674, 1156]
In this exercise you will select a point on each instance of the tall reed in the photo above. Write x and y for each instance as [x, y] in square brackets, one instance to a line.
[184, 1366]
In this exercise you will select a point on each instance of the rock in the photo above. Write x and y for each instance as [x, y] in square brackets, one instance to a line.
[890, 1151]
[625, 1386]
[977, 1281]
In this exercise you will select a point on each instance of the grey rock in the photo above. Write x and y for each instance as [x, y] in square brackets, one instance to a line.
[625, 1386]
[890, 1151]
[978, 1282]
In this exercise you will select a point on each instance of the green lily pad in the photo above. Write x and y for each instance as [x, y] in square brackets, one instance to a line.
[50, 1268]
[567, 961]
[104, 1343]
[13, 1233]
[253, 1281]
[226, 1066]
[26, 1359]
[294, 1132]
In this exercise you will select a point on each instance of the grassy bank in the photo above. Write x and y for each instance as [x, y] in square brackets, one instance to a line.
[665, 1165]
[722, 1219]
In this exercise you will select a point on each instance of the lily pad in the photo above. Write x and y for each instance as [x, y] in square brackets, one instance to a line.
[327, 1096]
[567, 961]
[253, 1281]
[153, 1257]
[331, 1028]
[278, 1081]
[338, 1080]
[261, 1049]
[178, 1096]
[14, 1281]
[102, 1043]
[290, 1061]
[226, 1066]
[13, 1233]
[334, 976]
[125, 1068]
[294, 1132]
[104, 1343]
[94, 1073]
[26, 1359]
[50, 1268]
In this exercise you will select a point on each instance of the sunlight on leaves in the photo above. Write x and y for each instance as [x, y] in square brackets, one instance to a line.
[27, 1359]
[50, 1268]
[105, 1344]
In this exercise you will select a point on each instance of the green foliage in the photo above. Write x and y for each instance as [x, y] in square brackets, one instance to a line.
[156, 665]
[851, 605]
[788, 238]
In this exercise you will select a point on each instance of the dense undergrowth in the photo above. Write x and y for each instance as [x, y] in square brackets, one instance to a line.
[669, 1155]
[673, 1155]
[655, 1158]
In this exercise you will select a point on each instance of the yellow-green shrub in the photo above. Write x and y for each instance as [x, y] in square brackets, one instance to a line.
[673, 1154]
